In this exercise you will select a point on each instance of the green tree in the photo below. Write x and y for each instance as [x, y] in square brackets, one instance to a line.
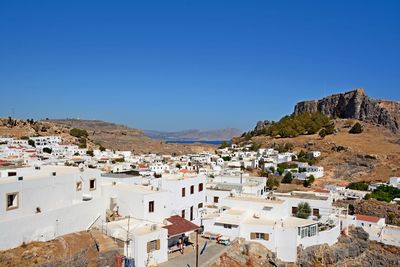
[31, 143]
[226, 158]
[288, 178]
[90, 153]
[47, 150]
[303, 210]
[356, 129]
[322, 133]
[76, 132]
[102, 148]
[361, 186]
[309, 180]
[272, 183]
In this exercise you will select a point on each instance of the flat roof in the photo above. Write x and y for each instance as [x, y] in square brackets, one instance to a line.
[139, 189]
[297, 222]
[301, 195]
[256, 199]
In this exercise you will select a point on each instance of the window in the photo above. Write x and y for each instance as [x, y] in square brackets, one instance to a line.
[200, 205]
[78, 186]
[315, 212]
[12, 173]
[294, 210]
[151, 206]
[192, 189]
[153, 245]
[227, 226]
[308, 231]
[12, 201]
[259, 236]
[92, 184]
[200, 187]
[191, 213]
[183, 214]
[216, 199]
[183, 192]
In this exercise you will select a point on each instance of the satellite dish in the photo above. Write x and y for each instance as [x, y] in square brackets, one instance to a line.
[81, 166]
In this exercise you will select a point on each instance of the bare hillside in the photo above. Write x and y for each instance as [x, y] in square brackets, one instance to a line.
[109, 135]
[373, 155]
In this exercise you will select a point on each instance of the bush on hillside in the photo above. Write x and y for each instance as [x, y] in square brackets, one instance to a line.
[294, 125]
[288, 178]
[361, 186]
[78, 132]
[356, 129]
[384, 193]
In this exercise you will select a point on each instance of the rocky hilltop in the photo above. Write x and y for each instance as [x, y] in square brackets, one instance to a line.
[355, 105]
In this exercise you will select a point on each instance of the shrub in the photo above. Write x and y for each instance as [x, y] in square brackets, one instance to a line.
[272, 183]
[31, 143]
[226, 158]
[294, 125]
[102, 148]
[288, 178]
[90, 153]
[47, 150]
[361, 186]
[356, 129]
[303, 210]
[322, 133]
[76, 132]
[385, 193]
[309, 180]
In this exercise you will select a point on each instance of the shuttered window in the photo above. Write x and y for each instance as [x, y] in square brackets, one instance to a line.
[260, 236]
[153, 245]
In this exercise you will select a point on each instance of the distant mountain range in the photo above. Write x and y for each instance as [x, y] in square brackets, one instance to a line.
[195, 135]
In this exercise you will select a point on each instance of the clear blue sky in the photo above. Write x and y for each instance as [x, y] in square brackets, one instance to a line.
[172, 65]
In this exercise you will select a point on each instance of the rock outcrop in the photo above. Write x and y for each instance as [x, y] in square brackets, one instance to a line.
[355, 105]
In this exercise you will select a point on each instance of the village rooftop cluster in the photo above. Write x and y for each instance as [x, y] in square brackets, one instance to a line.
[154, 203]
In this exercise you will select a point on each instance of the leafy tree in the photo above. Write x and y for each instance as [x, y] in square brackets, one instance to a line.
[47, 150]
[76, 132]
[272, 183]
[24, 138]
[309, 180]
[356, 129]
[322, 133]
[76, 154]
[361, 186]
[303, 210]
[102, 148]
[31, 143]
[288, 178]
[90, 153]
[272, 169]
[385, 193]
[226, 158]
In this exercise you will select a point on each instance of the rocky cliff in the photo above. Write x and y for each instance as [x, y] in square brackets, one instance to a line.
[356, 105]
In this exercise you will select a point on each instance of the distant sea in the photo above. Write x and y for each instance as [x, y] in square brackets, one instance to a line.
[215, 142]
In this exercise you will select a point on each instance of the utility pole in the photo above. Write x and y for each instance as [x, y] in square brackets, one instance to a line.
[347, 220]
[127, 238]
[197, 248]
